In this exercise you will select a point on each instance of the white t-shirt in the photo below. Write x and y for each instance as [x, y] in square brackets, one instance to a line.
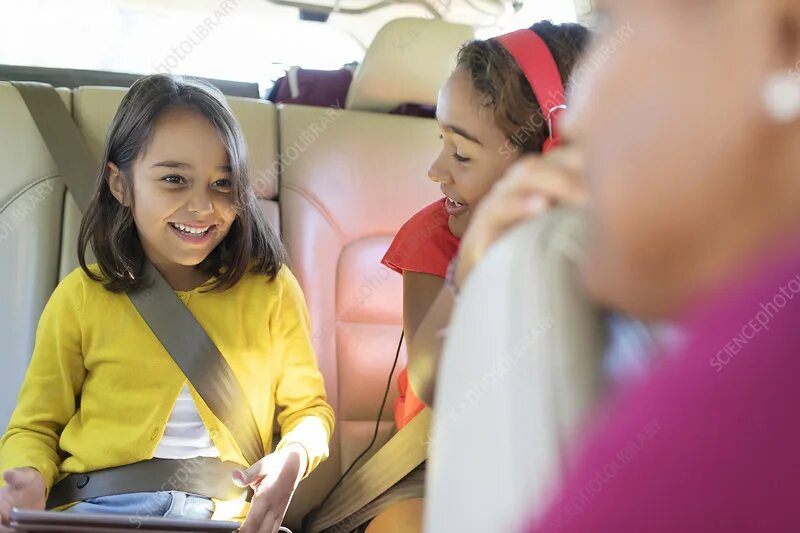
[185, 436]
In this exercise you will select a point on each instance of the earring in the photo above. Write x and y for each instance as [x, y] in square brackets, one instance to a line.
[781, 96]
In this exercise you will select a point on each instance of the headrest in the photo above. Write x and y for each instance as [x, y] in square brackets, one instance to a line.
[407, 63]
[95, 107]
[547, 341]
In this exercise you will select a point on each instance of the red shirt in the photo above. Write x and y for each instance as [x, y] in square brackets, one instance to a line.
[425, 245]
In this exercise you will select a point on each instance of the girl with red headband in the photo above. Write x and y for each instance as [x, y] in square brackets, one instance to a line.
[502, 101]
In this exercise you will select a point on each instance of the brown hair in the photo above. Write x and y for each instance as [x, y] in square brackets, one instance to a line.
[497, 77]
[109, 226]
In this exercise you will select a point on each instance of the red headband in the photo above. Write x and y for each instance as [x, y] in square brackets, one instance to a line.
[537, 63]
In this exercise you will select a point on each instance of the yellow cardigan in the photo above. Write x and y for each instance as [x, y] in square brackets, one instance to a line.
[100, 386]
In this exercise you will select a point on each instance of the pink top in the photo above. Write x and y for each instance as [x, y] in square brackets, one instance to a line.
[711, 442]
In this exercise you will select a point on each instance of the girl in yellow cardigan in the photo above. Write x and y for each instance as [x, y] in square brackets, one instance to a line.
[102, 392]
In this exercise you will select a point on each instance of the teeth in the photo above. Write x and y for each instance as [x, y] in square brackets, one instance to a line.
[189, 229]
[457, 204]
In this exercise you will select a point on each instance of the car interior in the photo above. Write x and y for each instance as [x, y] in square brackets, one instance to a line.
[337, 179]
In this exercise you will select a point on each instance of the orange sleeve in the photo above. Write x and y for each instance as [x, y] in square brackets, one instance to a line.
[407, 405]
[424, 244]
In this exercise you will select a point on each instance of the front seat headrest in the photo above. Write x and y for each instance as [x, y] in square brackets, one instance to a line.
[522, 365]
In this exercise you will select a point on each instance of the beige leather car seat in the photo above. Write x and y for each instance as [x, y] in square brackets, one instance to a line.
[522, 365]
[349, 179]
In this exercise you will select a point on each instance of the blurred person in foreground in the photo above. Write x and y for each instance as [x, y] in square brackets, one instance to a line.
[689, 133]
[694, 217]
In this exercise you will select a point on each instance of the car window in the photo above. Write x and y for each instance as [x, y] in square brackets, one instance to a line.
[224, 39]
[240, 40]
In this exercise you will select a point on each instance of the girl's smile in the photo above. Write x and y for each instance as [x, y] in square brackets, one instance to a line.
[455, 208]
[193, 234]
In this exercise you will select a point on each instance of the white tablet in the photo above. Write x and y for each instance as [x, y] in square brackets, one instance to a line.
[107, 523]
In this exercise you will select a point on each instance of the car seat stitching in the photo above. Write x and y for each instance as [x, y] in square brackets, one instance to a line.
[318, 205]
[22, 192]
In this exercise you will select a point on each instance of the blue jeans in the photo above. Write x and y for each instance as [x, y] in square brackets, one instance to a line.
[172, 504]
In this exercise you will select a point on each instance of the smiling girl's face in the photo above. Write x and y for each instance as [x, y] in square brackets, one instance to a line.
[475, 152]
[182, 193]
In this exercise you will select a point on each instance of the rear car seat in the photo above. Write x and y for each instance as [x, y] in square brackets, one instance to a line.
[349, 180]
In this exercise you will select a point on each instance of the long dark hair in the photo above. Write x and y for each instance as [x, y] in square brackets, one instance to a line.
[499, 80]
[109, 226]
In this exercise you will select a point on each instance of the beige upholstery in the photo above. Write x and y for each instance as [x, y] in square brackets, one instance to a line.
[584, 11]
[522, 364]
[407, 62]
[94, 109]
[360, 176]
[31, 198]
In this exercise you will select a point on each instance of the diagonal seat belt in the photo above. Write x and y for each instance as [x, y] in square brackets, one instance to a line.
[63, 140]
[169, 319]
[200, 360]
[405, 451]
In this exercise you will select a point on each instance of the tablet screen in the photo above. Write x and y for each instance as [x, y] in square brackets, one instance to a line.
[58, 522]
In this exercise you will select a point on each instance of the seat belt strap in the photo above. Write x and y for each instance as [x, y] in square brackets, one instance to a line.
[199, 359]
[206, 476]
[166, 315]
[64, 141]
[405, 451]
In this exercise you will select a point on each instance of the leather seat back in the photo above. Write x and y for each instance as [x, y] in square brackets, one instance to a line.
[349, 180]
[522, 365]
[356, 183]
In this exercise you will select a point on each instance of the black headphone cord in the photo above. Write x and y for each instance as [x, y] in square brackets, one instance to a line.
[377, 424]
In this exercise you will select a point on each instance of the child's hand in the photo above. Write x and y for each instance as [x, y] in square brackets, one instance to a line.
[273, 479]
[24, 489]
[528, 190]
